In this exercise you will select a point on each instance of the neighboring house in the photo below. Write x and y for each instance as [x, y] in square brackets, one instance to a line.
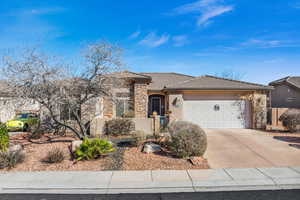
[10, 105]
[209, 101]
[286, 93]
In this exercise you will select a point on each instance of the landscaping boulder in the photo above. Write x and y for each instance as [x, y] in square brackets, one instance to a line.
[15, 148]
[151, 148]
[75, 144]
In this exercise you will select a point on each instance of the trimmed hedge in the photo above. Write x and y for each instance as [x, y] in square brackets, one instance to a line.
[187, 139]
[117, 127]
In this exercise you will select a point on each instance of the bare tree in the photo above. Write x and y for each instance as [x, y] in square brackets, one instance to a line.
[66, 94]
[230, 74]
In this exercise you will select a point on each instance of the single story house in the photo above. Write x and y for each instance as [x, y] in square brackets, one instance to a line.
[286, 93]
[209, 101]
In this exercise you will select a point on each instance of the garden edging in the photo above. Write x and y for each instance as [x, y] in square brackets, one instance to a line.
[156, 181]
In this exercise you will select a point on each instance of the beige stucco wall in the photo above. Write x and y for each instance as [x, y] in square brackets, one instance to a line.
[143, 124]
[175, 106]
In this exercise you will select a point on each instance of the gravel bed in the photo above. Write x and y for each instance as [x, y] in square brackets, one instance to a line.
[134, 159]
[125, 158]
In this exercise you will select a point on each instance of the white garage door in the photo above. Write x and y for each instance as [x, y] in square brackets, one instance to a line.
[217, 113]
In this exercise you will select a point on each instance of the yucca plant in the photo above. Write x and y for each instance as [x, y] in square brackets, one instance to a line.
[91, 149]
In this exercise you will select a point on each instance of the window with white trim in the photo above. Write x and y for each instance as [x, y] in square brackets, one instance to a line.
[122, 106]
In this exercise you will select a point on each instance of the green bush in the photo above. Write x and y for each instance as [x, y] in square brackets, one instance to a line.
[91, 149]
[55, 155]
[187, 139]
[11, 158]
[118, 127]
[291, 119]
[139, 137]
[4, 139]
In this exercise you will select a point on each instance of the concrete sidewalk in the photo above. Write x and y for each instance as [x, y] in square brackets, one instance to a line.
[158, 181]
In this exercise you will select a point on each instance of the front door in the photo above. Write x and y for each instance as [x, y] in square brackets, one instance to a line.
[156, 105]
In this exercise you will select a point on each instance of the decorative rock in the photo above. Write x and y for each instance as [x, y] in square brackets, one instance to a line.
[15, 148]
[75, 144]
[197, 161]
[151, 148]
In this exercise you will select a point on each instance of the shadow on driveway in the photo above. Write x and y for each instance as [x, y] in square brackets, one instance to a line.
[294, 141]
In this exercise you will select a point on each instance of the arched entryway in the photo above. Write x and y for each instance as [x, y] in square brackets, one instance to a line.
[157, 104]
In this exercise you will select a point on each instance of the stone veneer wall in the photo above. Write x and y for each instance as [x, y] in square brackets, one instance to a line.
[259, 110]
[140, 100]
[108, 109]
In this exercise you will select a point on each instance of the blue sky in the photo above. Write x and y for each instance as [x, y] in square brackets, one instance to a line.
[257, 38]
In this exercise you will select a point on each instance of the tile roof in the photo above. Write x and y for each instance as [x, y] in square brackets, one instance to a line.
[215, 83]
[160, 80]
[131, 75]
[292, 80]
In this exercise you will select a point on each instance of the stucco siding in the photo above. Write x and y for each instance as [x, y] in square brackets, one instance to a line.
[284, 96]
[191, 97]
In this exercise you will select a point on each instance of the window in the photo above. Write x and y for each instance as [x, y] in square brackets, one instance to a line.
[122, 106]
[66, 112]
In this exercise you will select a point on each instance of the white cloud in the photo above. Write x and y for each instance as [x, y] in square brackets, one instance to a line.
[207, 9]
[263, 43]
[206, 16]
[154, 40]
[37, 11]
[180, 40]
[273, 61]
[135, 34]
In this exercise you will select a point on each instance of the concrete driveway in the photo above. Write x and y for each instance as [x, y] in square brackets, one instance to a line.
[246, 148]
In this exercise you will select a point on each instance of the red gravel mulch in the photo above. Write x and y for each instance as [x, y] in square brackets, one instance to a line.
[35, 153]
[133, 158]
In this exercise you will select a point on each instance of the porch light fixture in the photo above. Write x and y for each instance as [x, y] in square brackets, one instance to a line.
[176, 102]
[217, 107]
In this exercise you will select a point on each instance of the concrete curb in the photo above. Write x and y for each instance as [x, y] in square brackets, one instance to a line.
[157, 181]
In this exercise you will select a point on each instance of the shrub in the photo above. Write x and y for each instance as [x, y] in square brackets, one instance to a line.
[118, 127]
[55, 155]
[139, 137]
[187, 139]
[291, 119]
[91, 149]
[4, 139]
[11, 158]
[36, 131]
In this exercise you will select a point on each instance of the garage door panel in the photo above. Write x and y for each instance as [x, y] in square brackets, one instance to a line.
[231, 113]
